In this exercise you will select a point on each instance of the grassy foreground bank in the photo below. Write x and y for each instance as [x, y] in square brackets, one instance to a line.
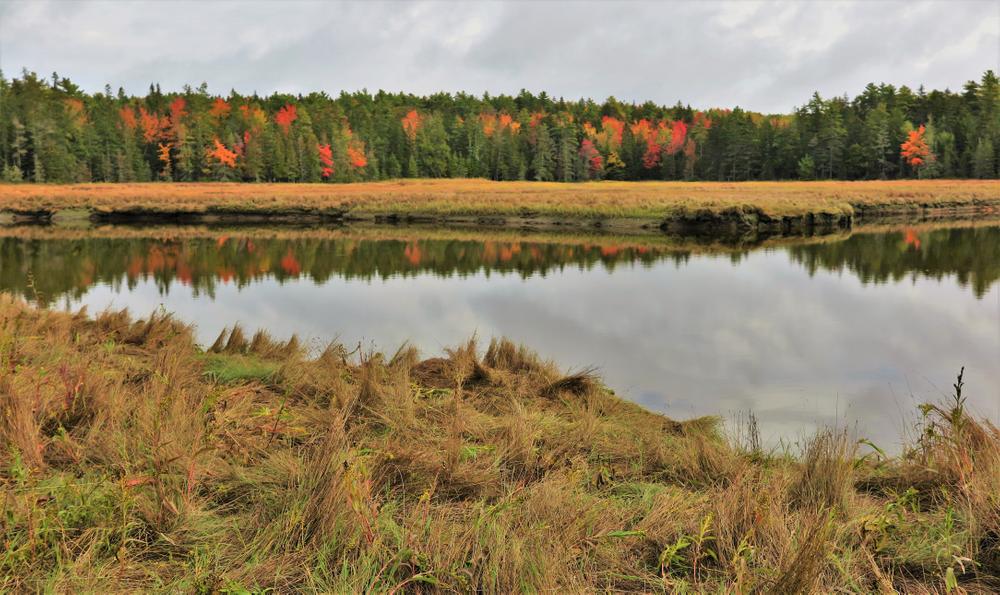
[132, 459]
[745, 203]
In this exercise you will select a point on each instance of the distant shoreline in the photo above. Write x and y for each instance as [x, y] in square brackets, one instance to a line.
[766, 206]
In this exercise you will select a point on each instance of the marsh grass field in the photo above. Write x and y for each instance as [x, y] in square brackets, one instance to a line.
[647, 202]
[132, 459]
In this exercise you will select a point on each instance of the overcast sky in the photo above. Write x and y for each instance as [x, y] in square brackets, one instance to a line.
[767, 56]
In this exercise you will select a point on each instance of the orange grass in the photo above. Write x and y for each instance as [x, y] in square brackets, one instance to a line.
[476, 197]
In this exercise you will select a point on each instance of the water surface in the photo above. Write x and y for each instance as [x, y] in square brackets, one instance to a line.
[851, 330]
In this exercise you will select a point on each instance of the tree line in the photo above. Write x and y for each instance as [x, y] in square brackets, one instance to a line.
[52, 131]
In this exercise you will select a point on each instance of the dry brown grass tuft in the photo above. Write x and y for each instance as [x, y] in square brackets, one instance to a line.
[825, 479]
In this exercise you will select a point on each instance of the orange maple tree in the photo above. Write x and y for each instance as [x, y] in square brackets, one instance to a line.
[914, 149]
[127, 116]
[220, 108]
[152, 125]
[222, 154]
[356, 155]
[411, 124]
[614, 128]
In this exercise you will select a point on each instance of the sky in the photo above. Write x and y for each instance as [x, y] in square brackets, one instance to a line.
[763, 56]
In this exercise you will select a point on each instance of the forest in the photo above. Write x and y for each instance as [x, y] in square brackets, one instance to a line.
[52, 131]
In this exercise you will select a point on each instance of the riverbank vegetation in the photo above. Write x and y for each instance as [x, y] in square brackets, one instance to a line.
[131, 458]
[52, 131]
[532, 203]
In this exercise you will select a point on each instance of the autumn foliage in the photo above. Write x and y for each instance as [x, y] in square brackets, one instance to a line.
[220, 108]
[356, 156]
[914, 149]
[285, 117]
[325, 159]
[592, 156]
[664, 138]
[163, 153]
[127, 117]
[222, 155]
[491, 123]
[54, 133]
[411, 124]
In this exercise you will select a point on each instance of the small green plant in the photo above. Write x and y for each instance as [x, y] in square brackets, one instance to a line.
[701, 545]
[671, 558]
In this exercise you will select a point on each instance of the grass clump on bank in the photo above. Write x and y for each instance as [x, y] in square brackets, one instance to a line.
[130, 458]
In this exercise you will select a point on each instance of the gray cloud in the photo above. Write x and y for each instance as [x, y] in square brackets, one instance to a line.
[767, 56]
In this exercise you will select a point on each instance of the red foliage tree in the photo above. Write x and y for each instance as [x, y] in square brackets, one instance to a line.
[177, 110]
[914, 149]
[593, 157]
[285, 117]
[326, 159]
[678, 134]
[411, 124]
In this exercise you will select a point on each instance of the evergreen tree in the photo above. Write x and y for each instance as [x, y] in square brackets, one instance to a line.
[984, 164]
[543, 159]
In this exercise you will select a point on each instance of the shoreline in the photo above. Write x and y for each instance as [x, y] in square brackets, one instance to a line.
[682, 238]
[786, 207]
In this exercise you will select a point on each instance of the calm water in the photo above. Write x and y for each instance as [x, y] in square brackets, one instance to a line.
[852, 330]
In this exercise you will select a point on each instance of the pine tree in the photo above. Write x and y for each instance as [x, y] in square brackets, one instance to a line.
[983, 162]
[543, 159]
[876, 141]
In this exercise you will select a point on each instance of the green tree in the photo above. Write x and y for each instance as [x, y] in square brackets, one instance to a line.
[984, 163]
[543, 158]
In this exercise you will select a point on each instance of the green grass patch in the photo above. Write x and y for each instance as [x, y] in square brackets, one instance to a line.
[229, 369]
